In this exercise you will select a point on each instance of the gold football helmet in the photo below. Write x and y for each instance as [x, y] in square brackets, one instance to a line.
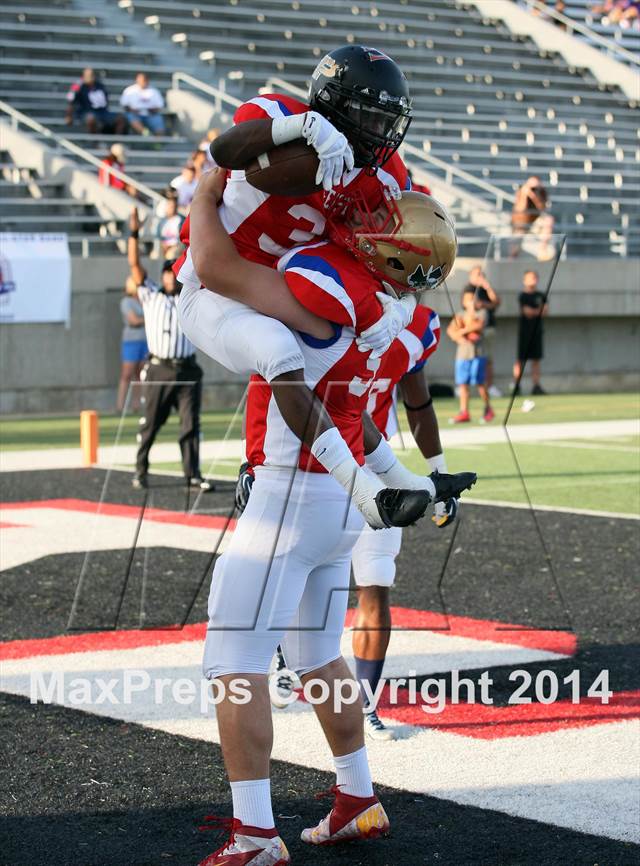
[409, 243]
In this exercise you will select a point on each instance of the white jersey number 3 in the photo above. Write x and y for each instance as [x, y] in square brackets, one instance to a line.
[312, 224]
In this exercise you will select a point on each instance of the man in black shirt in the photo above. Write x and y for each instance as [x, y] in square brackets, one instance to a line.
[533, 308]
[171, 377]
[88, 102]
[486, 299]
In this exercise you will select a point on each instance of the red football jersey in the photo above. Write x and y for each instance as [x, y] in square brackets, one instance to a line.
[335, 286]
[408, 354]
[264, 227]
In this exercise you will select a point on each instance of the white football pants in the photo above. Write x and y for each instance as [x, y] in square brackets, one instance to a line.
[374, 556]
[284, 579]
[236, 336]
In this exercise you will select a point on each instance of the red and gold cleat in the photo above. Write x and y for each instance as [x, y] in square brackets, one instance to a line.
[351, 818]
[246, 846]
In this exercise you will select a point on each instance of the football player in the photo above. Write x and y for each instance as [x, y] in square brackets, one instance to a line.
[357, 116]
[374, 554]
[284, 577]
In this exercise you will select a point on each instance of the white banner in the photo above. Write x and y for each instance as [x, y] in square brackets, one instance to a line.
[35, 278]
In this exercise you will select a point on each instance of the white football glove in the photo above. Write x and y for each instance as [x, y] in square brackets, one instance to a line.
[333, 149]
[445, 513]
[244, 484]
[395, 318]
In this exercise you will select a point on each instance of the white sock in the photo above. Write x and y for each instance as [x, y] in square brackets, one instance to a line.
[252, 803]
[353, 774]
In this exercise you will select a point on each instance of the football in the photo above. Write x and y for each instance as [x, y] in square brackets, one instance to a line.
[289, 169]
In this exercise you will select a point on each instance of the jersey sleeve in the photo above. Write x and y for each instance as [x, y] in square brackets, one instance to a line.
[319, 287]
[268, 107]
[424, 328]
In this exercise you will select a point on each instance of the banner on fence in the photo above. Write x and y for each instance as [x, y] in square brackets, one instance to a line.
[35, 278]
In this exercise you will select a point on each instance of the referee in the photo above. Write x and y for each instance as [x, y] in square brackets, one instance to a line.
[171, 376]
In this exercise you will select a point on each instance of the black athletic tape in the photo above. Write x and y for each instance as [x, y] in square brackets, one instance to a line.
[418, 408]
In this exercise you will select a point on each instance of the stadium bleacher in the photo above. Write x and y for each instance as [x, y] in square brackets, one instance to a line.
[29, 203]
[486, 102]
[490, 103]
[43, 49]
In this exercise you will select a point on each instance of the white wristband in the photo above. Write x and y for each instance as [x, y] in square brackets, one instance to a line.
[437, 463]
[284, 129]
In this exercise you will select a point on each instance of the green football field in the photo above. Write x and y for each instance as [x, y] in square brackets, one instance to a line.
[598, 474]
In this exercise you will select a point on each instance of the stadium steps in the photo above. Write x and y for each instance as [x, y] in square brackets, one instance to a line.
[479, 90]
[30, 204]
[511, 109]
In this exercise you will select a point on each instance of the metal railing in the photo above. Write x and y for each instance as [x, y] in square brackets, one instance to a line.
[571, 25]
[452, 172]
[281, 84]
[498, 195]
[18, 119]
[219, 95]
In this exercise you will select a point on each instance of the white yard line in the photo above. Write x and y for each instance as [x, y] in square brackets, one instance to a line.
[593, 446]
[111, 455]
[503, 503]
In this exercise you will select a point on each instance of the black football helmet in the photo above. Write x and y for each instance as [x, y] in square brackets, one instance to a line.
[366, 96]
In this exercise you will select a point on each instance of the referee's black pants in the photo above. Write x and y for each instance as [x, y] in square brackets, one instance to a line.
[168, 385]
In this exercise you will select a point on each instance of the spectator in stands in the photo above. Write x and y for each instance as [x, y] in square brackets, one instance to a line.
[620, 13]
[530, 214]
[185, 184]
[114, 159]
[88, 102]
[205, 146]
[466, 329]
[533, 307]
[623, 14]
[200, 164]
[134, 343]
[602, 9]
[559, 6]
[143, 105]
[487, 299]
[169, 227]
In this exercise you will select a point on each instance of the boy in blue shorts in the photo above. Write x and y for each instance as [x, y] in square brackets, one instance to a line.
[466, 329]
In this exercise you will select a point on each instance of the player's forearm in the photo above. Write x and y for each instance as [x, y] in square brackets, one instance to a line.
[224, 271]
[372, 435]
[238, 146]
[423, 421]
[266, 291]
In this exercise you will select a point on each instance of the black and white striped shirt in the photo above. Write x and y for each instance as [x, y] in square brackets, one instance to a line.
[164, 335]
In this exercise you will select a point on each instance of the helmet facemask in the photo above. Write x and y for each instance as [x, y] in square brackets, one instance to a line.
[404, 254]
[375, 124]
